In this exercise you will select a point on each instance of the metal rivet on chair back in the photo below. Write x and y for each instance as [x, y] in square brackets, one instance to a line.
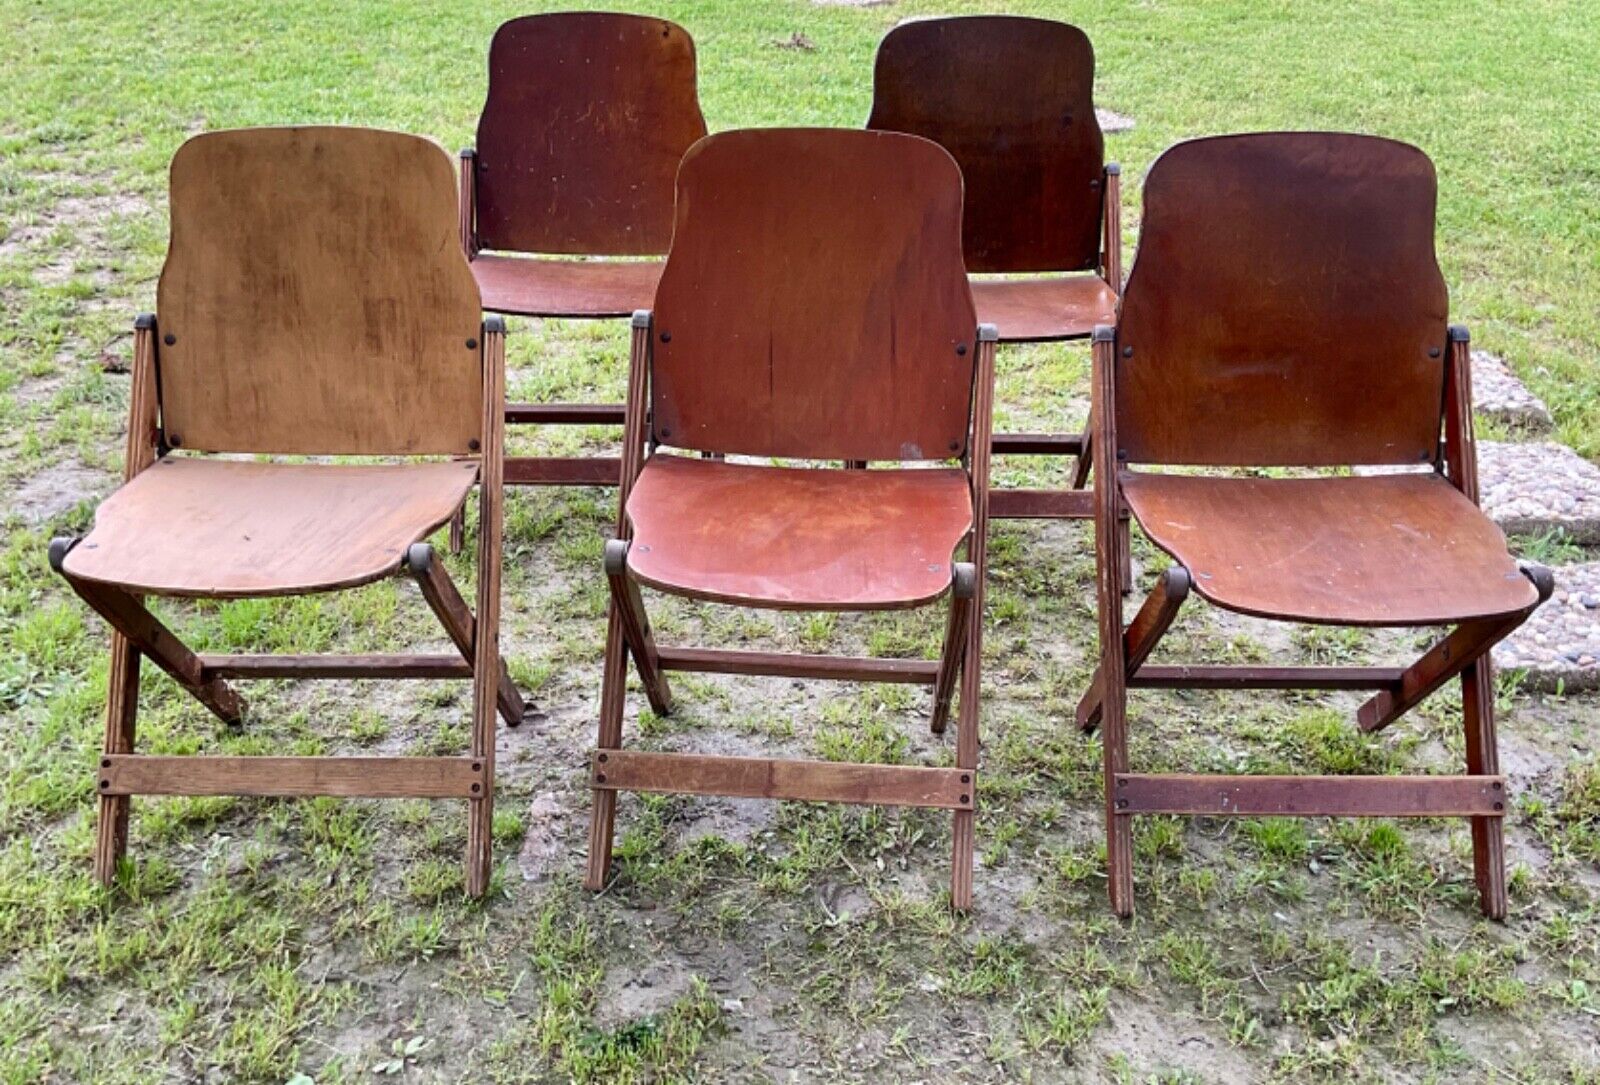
[814, 304]
[315, 299]
[587, 117]
[1286, 307]
[1012, 99]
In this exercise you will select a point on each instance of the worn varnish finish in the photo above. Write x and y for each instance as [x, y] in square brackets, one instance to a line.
[289, 324]
[771, 778]
[795, 538]
[814, 305]
[366, 777]
[586, 119]
[254, 285]
[1041, 310]
[1311, 332]
[229, 528]
[1372, 550]
[1012, 98]
[1286, 307]
[530, 286]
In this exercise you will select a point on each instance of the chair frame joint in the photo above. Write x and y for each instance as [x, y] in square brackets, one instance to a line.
[419, 558]
[616, 556]
[60, 547]
[1544, 581]
[1105, 333]
[1460, 334]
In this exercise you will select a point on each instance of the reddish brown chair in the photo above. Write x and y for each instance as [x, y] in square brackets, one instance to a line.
[313, 303]
[1311, 335]
[814, 307]
[1012, 98]
[587, 117]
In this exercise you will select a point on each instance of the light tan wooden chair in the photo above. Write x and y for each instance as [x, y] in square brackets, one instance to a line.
[314, 302]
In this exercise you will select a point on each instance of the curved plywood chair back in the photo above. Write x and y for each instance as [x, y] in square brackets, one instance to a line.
[587, 118]
[315, 299]
[1286, 307]
[1012, 98]
[814, 304]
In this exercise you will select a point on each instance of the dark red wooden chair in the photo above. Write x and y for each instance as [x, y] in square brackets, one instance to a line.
[814, 307]
[1012, 99]
[1312, 334]
[587, 117]
[313, 302]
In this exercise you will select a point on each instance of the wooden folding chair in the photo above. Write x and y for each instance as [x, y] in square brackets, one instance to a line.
[1012, 98]
[313, 303]
[813, 307]
[1286, 310]
[587, 117]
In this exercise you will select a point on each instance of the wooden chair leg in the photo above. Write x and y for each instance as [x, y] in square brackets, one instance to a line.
[458, 529]
[628, 604]
[1085, 460]
[446, 602]
[1112, 579]
[1466, 644]
[480, 642]
[963, 833]
[1140, 638]
[122, 710]
[1483, 759]
[127, 615]
[603, 809]
[1125, 552]
[964, 585]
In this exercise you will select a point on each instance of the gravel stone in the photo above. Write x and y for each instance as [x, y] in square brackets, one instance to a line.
[1499, 395]
[1559, 646]
[1532, 488]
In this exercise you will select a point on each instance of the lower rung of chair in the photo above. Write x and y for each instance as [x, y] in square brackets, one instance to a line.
[565, 414]
[794, 665]
[1152, 676]
[362, 777]
[334, 666]
[562, 471]
[771, 778]
[1036, 444]
[1311, 796]
[1041, 504]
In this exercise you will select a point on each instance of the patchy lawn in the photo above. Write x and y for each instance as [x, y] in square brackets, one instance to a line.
[273, 941]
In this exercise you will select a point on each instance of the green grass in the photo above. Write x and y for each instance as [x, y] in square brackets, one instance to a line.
[321, 941]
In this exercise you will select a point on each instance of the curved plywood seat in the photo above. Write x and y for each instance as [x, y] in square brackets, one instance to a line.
[792, 538]
[1384, 550]
[1041, 310]
[225, 528]
[522, 286]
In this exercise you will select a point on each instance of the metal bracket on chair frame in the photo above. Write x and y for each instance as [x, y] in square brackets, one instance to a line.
[60, 547]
